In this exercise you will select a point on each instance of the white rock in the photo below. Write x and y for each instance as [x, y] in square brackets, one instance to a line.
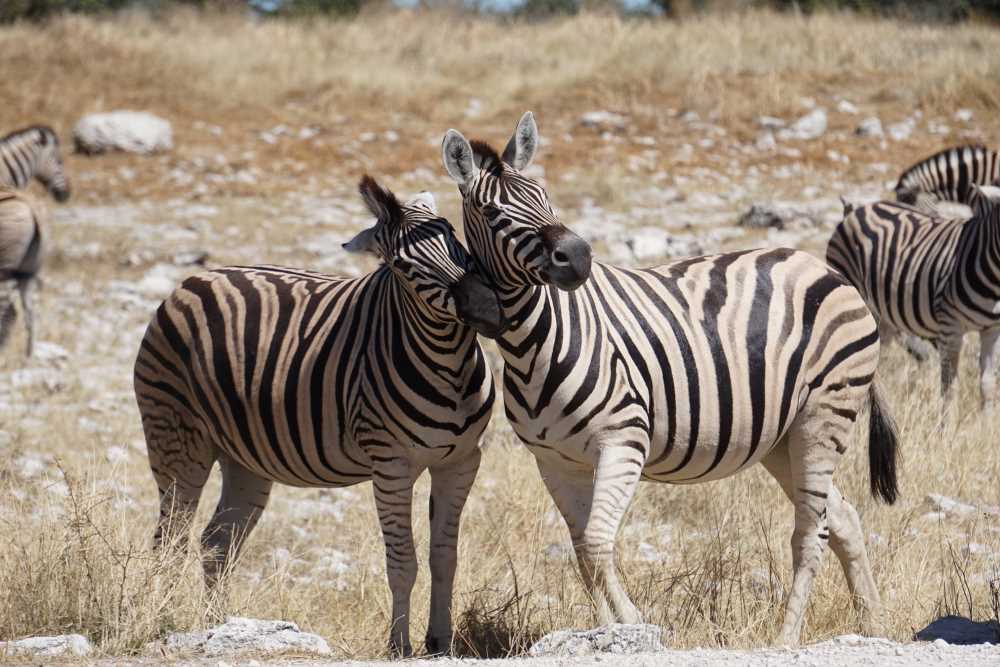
[243, 635]
[765, 141]
[810, 126]
[616, 639]
[603, 120]
[963, 115]
[950, 506]
[474, 108]
[770, 122]
[843, 106]
[870, 127]
[902, 130]
[46, 351]
[128, 131]
[59, 645]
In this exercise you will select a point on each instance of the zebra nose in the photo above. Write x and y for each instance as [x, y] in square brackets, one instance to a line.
[569, 261]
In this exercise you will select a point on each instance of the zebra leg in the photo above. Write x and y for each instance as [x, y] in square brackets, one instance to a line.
[846, 539]
[27, 288]
[450, 487]
[951, 349]
[811, 459]
[243, 499]
[988, 365]
[8, 316]
[392, 483]
[918, 348]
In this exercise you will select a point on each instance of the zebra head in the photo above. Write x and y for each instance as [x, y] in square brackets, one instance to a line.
[509, 222]
[425, 256]
[49, 164]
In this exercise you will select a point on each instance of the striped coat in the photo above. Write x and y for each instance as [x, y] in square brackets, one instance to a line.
[926, 276]
[284, 375]
[948, 174]
[21, 227]
[688, 372]
[33, 152]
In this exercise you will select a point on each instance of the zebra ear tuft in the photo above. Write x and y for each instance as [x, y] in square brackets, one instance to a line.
[380, 201]
[456, 154]
[522, 144]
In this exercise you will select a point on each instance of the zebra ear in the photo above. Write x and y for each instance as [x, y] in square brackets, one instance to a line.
[364, 242]
[425, 200]
[521, 147]
[456, 153]
[380, 201]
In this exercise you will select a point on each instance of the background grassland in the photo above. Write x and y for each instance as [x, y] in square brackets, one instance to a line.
[710, 563]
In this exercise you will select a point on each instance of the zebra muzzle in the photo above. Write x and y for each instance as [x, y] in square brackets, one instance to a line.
[478, 306]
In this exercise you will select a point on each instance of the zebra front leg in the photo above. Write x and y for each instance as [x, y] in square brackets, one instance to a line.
[450, 488]
[8, 316]
[846, 539]
[392, 483]
[27, 289]
[987, 366]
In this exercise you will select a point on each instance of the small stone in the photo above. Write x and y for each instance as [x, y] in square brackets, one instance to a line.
[963, 115]
[126, 131]
[902, 130]
[808, 127]
[843, 106]
[616, 639]
[242, 635]
[770, 122]
[603, 120]
[49, 647]
[765, 141]
[870, 127]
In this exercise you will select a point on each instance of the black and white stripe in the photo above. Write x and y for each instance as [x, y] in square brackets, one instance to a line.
[948, 174]
[20, 260]
[926, 276]
[689, 372]
[33, 152]
[284, 375]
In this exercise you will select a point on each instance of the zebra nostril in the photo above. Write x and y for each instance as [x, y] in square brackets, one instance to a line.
[559, 257]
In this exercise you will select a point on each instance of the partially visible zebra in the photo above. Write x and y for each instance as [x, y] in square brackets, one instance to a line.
[929, 277]
[689, 372]
[947, 175]
[33, 152]
[284, 375]
[20, 259]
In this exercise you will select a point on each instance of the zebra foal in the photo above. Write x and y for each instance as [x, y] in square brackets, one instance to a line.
[33, 152]
[927, 276]
[689, 372]
[20, 260]
[288, 376]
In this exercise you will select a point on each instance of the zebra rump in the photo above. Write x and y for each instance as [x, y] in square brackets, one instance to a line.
[948, 174]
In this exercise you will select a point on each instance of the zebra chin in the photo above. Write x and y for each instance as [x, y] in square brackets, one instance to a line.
[478, 306]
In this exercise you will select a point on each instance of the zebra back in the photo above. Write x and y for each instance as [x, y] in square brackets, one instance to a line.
[949, 173]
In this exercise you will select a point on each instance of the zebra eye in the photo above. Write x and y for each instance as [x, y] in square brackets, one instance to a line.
[491, 212]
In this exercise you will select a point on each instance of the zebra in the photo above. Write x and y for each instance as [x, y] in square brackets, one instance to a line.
[928, 277]
[33, 152]
[20, 259]
[947, 175]
[685, 373]
[289, 376]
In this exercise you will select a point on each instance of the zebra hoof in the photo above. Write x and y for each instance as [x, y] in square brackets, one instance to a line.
[438, 645]
[397, 650]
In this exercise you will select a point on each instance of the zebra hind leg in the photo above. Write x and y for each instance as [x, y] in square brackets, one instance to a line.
[27, 288]
[392, 482]
[243, 499]
[950, 347]
[988, 366]
[8, 316]
[450, 488]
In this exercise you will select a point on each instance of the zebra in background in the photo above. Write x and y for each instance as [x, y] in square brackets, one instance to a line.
[20, 259]
[283, 375]
[947, 175]
[928, 277]
[686, 373]
[33, 152]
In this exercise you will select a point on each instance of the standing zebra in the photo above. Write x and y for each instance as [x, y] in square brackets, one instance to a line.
[288, 376]
[33, 152]
[948, 174]
[20, 259]
[689, 372]
[927, 276]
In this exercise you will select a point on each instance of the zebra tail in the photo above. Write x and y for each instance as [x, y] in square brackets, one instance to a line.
[883, 448]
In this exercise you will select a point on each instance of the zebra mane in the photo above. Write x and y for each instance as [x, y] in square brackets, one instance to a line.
[486, 157]
[45, 131]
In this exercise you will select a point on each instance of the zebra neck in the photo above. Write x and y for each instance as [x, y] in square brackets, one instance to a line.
[22, 161]
[540, 319]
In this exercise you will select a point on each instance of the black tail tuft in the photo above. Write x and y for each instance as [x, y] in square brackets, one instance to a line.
[883, 449]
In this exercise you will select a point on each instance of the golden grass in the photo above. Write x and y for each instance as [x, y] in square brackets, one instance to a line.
[709, 563]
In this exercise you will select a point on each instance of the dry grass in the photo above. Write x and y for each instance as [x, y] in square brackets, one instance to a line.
[710, 563]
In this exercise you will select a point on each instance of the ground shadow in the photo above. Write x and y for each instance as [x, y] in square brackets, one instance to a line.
[961, 630]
